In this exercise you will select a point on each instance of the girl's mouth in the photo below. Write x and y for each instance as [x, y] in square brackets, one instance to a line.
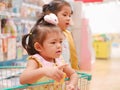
[67, 24]
[58, 52]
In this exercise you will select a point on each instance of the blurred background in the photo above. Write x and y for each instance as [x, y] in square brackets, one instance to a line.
[95, 29]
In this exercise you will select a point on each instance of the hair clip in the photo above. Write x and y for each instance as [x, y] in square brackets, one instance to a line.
[27, 39]
[51, 18]
[30, 33]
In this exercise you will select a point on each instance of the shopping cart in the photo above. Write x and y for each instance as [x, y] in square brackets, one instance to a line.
[9, 80]
[9, 76]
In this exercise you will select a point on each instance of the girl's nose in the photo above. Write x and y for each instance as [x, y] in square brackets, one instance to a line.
[59, 45]
[68, 18]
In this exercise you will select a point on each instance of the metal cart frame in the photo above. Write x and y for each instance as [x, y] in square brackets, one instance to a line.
[9, 79]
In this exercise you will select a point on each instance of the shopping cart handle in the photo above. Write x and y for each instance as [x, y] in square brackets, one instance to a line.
[84, 75]
[80, 74]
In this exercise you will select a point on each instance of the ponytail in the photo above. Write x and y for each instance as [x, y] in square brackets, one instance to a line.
[28, 44]
[40, 20]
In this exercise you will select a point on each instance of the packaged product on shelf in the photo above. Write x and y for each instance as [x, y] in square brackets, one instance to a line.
[19, 51]
[101, 37]
[3, 23]
[41, 2]
[7, 47]
[0, 26]
[18, 41]
[4, 46]
[2, 6]
[11, 53]
[8, 26]
[16, 6]
[9, 5]
[23, 11]
[1, 50]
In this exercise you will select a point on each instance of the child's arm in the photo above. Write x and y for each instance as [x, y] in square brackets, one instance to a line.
[32, 73]
[73, 82]
[72, 85]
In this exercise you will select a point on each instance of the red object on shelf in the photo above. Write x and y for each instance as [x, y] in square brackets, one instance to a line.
[88, 1]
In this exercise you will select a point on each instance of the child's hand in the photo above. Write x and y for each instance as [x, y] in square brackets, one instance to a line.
[54, 72]
[70, 87]
[62, 66]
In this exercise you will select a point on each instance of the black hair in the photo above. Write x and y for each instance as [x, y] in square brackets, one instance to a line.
[38, 34]
[55, 6]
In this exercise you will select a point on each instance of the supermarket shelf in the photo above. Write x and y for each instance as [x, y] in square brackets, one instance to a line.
[5, 13]
[14, 61]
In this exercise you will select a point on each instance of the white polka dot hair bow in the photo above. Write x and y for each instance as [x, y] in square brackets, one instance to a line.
[51, 18]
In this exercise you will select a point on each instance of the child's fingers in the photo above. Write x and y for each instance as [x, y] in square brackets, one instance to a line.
[70, 87]
[62, 66]
[58, 75]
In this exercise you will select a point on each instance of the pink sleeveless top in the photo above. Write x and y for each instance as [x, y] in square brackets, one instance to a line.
[44, 63]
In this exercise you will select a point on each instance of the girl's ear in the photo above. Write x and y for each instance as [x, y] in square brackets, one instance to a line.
[37, 46]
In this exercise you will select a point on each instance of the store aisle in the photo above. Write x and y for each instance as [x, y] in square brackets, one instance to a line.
[106, 75]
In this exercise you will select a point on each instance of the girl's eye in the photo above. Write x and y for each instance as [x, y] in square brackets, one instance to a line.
[61, 41]
[53, 42]
[64, 15]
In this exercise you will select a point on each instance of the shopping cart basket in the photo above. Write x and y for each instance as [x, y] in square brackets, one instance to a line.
[9, 76]
[9, 80]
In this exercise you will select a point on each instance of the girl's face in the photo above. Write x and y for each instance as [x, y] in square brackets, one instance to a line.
[52, 46]
[64, 17]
